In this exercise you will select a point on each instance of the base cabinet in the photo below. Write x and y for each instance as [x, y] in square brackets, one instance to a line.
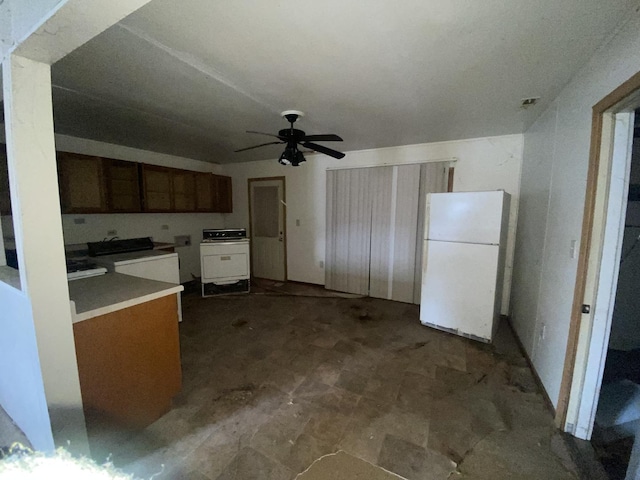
[129, 363]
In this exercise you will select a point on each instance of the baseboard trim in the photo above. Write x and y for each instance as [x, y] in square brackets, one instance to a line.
[545, 395]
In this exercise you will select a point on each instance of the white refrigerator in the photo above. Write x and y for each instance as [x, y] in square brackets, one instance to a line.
[463, 262]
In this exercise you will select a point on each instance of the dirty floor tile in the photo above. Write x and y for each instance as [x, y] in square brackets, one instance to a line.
[273, 383]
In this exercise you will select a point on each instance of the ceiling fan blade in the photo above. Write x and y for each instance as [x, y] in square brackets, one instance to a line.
[258, 146]
[269, 134]
[330, 137]
[321, 149]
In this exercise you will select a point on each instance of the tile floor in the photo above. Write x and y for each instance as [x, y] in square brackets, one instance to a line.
[272, 383]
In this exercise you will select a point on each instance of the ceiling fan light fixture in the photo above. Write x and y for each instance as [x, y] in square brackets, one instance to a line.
[291, 156]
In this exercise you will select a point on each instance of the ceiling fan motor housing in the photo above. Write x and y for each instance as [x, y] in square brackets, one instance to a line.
[292, 134]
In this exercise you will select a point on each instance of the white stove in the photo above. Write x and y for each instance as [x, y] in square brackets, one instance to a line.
[225, 261]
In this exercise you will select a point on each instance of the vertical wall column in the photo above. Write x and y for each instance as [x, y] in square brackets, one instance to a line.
[38, 231]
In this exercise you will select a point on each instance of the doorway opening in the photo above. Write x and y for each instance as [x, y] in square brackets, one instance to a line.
[585, 387]
[617, 418]
[267, 220]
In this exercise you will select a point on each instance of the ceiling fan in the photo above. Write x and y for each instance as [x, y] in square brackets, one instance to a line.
[294, 137]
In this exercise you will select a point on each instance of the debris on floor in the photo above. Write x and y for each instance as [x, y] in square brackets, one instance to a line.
[308, 379]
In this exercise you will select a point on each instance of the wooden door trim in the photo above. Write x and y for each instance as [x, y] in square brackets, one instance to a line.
[284, 220]
[629, 87]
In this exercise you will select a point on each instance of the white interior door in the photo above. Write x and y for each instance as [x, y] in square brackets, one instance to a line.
[267, 210]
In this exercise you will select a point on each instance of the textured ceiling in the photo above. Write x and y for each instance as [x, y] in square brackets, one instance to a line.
[188, 78]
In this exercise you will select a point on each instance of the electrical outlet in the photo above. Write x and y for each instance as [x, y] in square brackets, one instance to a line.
[112, 233]
[79, 221]
[164, 227]
[182, 240]
[573, 250]
[543, 331]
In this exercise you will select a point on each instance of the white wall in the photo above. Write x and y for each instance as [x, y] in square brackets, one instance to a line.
[556, 157]
[34, 197]
[21, 386]
[483, 164]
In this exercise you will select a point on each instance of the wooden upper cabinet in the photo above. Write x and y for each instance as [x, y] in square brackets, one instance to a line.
[204, 192]
[184, 191]
[102, 185]
[123, 186]
[82, 186]
[223, 195]
[157, 188]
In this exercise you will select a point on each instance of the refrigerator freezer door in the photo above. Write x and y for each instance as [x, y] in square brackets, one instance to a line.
[459, 288]
[469, 217]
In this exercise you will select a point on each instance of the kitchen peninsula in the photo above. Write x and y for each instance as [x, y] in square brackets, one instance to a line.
[127, 346]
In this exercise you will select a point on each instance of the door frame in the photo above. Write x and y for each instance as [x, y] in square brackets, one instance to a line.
[599, 156]
[284, 215]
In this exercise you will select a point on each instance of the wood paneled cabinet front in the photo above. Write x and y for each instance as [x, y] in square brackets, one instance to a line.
[123, 186]
[129, 362]
[213, 193]
[223, 199]
[157, 189]
[184, 191]
[82, 183]
[91, 184]
[204, 192]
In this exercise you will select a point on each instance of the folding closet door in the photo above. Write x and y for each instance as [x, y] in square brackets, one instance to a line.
[382, 223]
[375, 219]
[433, 179]
[348, 230]
[404, 234]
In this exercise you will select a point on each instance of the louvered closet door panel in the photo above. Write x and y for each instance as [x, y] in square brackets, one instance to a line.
[348, 230]
[433, 179]
[404, 234]
[382, 214]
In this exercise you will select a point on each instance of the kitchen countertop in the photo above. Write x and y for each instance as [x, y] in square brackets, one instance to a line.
[124, 257]
[95, 296]
[163, 246]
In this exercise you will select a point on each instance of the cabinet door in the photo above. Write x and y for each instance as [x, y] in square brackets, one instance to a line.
[82, 185]
[123, 186]
[157, 188]
[223, 202]
[204, 192]
[184, 194]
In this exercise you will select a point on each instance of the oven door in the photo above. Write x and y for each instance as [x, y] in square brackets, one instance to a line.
[224, 262]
